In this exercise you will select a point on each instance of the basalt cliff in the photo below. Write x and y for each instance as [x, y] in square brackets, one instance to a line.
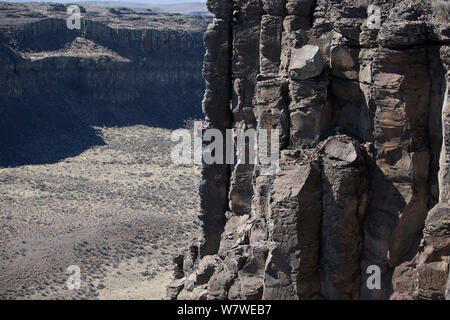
[359, 93]
[121, 67]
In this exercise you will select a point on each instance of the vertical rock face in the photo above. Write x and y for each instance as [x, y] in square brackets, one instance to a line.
[216, 106]
[358, 91]
[344, 203]
[295, 215]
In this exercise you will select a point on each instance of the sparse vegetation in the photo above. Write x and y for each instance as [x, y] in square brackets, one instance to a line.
[119, 211]
[441, 9]
[363, 4]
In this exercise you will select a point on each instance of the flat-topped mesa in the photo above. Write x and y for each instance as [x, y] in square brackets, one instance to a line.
[358, 91]
[17, 15]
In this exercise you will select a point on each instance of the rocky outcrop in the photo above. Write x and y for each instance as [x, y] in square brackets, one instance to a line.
[359, 93]
[122, 67]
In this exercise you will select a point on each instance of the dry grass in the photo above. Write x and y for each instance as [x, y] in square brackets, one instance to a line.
[119, 211]
[441, 9]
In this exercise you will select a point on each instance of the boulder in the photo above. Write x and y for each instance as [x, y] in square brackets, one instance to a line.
[306, 62]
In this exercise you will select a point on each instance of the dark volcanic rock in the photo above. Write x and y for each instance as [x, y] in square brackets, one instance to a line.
[362, 111]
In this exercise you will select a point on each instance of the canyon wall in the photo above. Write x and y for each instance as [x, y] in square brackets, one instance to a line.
[359, 94]
[121, 67]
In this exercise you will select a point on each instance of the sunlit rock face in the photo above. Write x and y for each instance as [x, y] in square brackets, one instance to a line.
[359, 94]
[122, 67]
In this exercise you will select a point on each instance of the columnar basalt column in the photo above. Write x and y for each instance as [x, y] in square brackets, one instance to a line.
[295, 214]
[216, 106]
[399, 89]
[345, 196]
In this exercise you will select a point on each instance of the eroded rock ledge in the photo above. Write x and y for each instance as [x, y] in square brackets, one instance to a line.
[364, 122]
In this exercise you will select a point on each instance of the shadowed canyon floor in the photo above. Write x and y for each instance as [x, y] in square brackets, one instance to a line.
[119, 211]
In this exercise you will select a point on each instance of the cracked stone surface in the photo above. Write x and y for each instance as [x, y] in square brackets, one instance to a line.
[364, 122]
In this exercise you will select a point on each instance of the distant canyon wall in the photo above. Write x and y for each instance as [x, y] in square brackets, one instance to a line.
[120, 68]
[359, 94]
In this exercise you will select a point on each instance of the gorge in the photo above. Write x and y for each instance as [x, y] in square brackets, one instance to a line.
[86, 181]
[122, 67]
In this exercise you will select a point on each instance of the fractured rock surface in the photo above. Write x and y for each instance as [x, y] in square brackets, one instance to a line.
[361, 104]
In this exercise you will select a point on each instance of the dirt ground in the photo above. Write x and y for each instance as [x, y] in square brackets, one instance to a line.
[119, 212]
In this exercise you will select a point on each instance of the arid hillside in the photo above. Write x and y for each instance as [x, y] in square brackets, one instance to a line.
[85, 173]
[120, 212]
